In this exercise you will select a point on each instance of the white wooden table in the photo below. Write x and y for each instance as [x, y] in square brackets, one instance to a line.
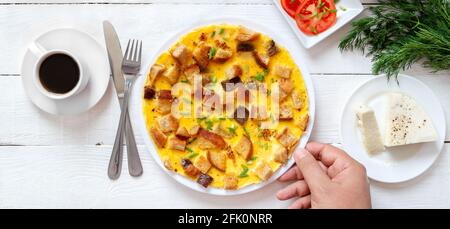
[60, 162]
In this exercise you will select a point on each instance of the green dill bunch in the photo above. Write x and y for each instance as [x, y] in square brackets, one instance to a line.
[400, 33]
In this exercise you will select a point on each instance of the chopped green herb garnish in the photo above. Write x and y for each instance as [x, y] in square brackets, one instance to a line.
[313, 29]
[260, 76]
[189, 150]
[222, 118]
[213, 79]
[209, 124]
[342, 8]
[232, 129]
[221, 31]
[244, 171]
[191, 140]
[184, 81]
[320, 4]
[213, 34]
[192, 155]
[246, 132]
[212, 53]
[336, 1]
[199, 120]
[252, 159]
[292, 1]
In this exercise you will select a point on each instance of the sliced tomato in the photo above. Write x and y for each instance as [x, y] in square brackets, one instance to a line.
[290, 6]
[315, 16]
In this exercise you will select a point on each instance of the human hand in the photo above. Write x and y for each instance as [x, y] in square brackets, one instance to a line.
[326, 177]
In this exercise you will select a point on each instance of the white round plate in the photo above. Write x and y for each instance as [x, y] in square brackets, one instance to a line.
[396, 164]
[137, 112]
[91, 55]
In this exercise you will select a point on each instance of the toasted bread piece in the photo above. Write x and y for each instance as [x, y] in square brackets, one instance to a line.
[192, 71]
[182, 54]
[218, 159]
[163, 106]
[155, 71]
[172, 74]
[222, 131]
[245, 34]
[223, 55]
[286, 85]
[297, 100]
[271, 48]
[230, 182]
[167, 123]
[244, 147]
[205, 180]
[189, 168]
[165, 94]
[286, 138]
[159, 137]
[286, 112]
[182, 133]
[233, 71]
[176, 144]
[149, 92]
[213, 138]
[283, 71]
[303, 122]
[205, 144]
[194, 130]
[203, 164]
[280, 155]
[168, 165]
[201, 55]
[261, 59]
[263, 170]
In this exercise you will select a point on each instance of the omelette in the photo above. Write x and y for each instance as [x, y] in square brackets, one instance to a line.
[225, 106]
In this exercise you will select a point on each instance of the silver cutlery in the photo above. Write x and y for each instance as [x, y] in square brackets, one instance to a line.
[131, 65]
[115, 59]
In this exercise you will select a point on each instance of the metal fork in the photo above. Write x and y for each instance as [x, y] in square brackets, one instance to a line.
[131, 65]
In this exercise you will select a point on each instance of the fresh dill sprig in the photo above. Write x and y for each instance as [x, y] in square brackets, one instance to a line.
[400, 33]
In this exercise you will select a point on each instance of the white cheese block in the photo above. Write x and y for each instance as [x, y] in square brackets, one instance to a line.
[407, 122]
[370, 133]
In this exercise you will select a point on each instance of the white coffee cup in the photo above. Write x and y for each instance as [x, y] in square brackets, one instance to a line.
[42, 54]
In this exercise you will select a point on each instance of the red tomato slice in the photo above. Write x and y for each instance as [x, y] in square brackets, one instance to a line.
[315, 16]
[290, 6]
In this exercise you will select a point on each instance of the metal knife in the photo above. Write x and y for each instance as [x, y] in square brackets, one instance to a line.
[115, 60]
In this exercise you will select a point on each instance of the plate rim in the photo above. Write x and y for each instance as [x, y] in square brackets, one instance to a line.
[150, 146]
[441, 111]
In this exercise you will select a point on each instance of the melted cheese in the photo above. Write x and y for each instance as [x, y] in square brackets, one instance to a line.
[262, 149]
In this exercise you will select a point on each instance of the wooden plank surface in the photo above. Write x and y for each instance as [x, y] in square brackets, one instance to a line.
[22, 23]
[48, 161]
[75, 177]
[211, 2]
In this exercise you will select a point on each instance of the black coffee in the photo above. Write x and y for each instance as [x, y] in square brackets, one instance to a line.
[59, 73]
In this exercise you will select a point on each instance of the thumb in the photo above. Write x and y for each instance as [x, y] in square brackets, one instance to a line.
[313, 174]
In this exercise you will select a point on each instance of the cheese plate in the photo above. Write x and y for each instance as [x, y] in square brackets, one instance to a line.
[396, 163]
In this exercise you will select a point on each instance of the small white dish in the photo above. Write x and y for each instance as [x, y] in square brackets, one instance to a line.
[137, 112]
[396, 164]
[346, 11]
[92, 58]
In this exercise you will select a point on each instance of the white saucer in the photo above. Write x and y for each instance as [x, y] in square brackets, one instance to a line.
[91, 55]
[396, 164]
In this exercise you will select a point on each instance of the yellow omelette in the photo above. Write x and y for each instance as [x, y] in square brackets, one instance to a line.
[216, 149]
